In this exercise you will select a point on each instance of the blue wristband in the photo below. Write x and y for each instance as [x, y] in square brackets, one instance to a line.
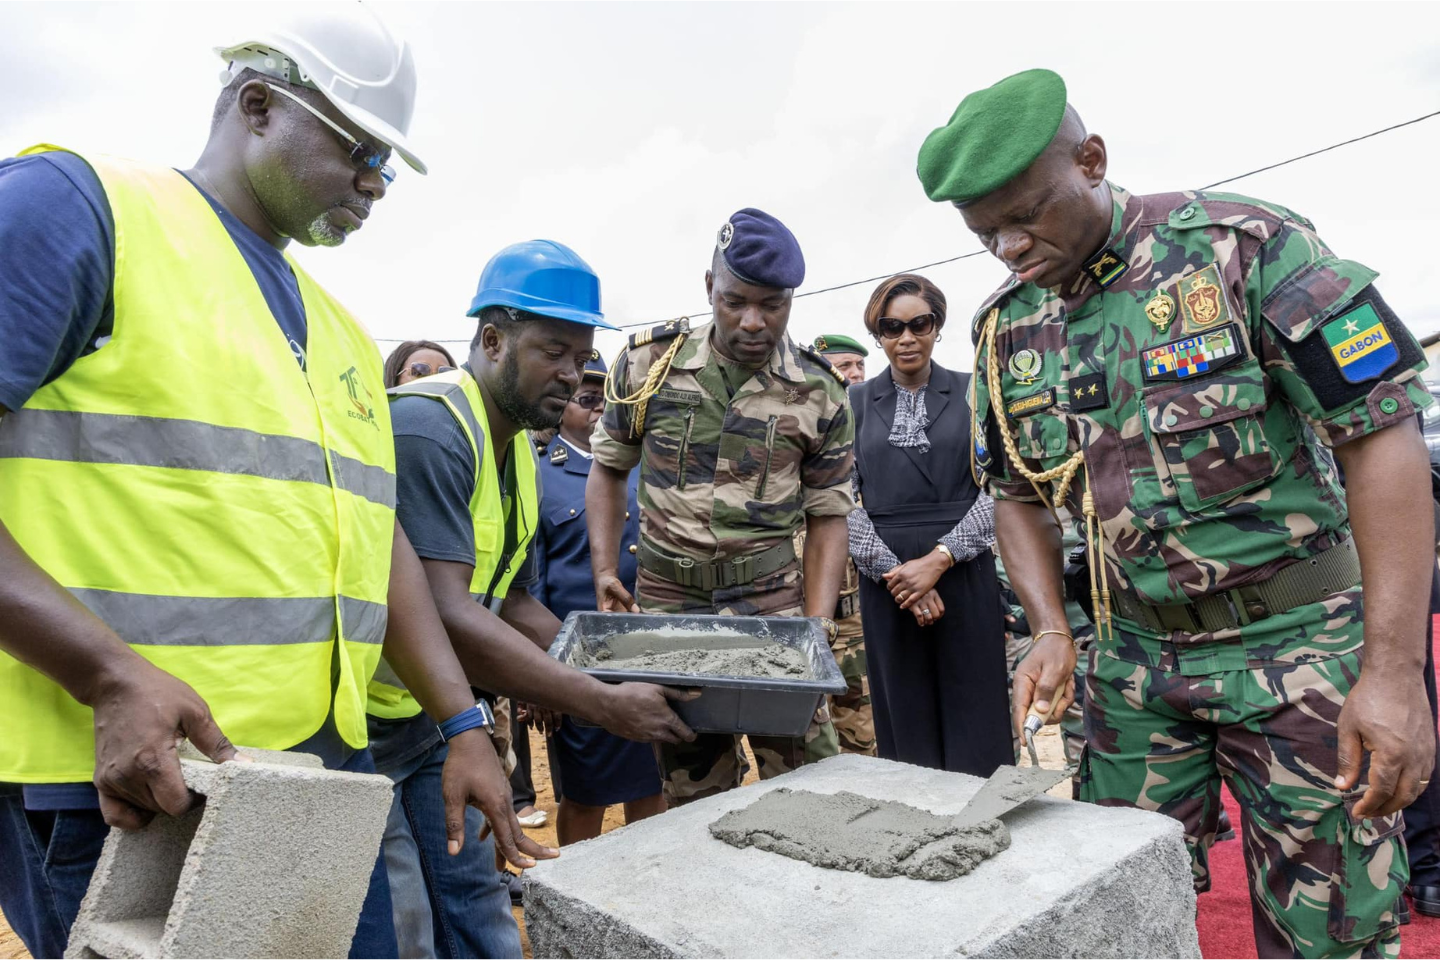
[476, 716]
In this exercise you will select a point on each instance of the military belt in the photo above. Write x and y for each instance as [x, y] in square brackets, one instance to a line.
[1307, 581]
[716, 574]
[847, 607]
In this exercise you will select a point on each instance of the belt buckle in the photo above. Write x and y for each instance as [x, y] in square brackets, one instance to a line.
[1179, 616]
[1247, 604]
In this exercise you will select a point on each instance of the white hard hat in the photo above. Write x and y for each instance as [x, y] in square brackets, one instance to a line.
[345, 52]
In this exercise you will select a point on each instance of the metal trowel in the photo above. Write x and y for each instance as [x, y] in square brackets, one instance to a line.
[1009, 787]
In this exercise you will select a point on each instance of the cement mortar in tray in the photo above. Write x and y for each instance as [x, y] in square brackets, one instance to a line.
[717, 652]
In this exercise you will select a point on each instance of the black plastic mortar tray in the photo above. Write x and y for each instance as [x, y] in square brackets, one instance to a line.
[762, 706]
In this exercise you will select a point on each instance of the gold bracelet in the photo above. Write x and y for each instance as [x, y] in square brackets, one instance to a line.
[1061, 633]
[946, 550]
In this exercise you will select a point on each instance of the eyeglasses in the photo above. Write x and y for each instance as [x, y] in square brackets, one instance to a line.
[892, 329]
[421, 369]
[361, 153]
[590, 401]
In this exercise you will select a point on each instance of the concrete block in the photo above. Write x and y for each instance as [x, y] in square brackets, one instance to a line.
[1077, 881]
[275, 863]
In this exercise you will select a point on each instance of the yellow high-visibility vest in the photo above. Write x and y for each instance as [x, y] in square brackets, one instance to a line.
[489, 514]
[228, 515]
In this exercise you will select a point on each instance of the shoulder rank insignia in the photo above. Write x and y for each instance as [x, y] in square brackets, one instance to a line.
[824, 361]
[559, 455]
[1105, 267]
[1025, 365]
[1360, 344]
[666, 330]
[1088, 392]
[1192, 356]
[1203, 301]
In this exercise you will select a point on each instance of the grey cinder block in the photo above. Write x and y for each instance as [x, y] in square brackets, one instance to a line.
[275, 863]
[1077, 881]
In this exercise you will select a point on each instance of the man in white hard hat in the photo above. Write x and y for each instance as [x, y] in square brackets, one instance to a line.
[197, 486]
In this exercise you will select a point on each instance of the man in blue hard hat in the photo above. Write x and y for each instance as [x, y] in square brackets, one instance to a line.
[468, 497]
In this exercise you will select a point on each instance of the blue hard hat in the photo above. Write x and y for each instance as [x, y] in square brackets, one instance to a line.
[543, 277]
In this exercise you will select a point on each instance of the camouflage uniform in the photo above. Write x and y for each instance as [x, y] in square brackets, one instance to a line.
[1205, 361]
[850, 711]
[727, 478]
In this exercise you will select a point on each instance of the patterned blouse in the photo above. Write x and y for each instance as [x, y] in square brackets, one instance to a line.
[975, 532]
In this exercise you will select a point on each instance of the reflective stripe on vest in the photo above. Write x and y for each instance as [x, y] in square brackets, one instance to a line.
[229, 515]
[461, 395]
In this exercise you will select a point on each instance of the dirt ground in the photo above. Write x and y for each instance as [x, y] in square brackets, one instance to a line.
[1048, 745]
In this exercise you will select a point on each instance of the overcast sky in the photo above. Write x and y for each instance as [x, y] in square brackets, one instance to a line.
[631, 131]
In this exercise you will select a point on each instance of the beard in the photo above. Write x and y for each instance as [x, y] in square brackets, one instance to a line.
[525, 414]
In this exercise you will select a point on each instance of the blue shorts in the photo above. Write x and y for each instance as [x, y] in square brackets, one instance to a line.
[597, 768]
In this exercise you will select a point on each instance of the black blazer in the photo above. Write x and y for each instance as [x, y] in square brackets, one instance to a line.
[898, 483]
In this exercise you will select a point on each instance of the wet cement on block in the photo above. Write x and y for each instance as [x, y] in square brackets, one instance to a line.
[724, 653]
[845, 831]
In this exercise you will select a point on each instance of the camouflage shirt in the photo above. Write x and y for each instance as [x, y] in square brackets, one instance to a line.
[1225, 352]
[724, 477]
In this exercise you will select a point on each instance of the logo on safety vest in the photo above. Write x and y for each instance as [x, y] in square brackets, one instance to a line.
[1360, 344]
[362, 401]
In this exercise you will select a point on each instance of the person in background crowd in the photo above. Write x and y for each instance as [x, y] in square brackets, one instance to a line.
[414, 359]
[597, 768]
[921, 540]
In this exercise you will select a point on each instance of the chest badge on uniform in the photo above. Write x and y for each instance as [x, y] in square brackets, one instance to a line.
[1088, 393]
[1025, 365]
[1106, 267]
[1203, 300]
[559, 455]
[792, 395]
[1161, 310]
[982, 453]
[1192, 356]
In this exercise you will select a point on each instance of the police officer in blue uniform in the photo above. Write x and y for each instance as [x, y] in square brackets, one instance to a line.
[594, 767]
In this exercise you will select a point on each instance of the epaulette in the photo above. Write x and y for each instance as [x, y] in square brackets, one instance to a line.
[559, 455]
[993, 300]
[666, 330]
[824, 361]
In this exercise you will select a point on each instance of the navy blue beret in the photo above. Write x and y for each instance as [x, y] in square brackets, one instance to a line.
[761, 251]
[595, 367]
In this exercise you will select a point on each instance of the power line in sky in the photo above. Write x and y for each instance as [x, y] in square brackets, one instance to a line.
[976, 253]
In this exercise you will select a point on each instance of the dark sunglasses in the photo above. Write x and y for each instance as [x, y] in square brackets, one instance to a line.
[423, 369]
[591, 401]
[892, 329]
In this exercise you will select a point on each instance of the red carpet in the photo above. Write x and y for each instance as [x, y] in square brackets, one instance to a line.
[1224, 921]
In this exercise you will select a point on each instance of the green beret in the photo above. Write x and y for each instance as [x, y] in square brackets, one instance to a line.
[992, 137]
[839, 343]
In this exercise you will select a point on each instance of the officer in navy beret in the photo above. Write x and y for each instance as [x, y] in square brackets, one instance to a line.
[742, 438]
[596, 767]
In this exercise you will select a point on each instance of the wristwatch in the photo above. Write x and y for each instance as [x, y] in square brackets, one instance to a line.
[479, 715]
[830, 627]
[941, 548]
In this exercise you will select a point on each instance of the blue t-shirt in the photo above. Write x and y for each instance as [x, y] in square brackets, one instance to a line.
[57, 267]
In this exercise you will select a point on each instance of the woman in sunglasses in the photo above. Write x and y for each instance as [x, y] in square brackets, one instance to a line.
[929, 598]
[414, 359]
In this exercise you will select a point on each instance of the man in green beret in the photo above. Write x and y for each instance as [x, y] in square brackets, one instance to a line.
[1183, 370]
[851, 712]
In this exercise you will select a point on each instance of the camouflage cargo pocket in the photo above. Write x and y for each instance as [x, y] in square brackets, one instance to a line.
[1369, 875]
[1042, 439]
[1211, 434]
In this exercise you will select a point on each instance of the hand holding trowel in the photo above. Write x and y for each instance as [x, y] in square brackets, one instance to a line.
[1009, 786]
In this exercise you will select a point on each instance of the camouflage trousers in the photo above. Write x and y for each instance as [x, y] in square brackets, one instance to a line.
[715, 762]
[1161, 735]
[850, 711]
